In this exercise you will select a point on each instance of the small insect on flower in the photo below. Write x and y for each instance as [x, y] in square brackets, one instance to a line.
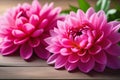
[85, 41]
[23, 28]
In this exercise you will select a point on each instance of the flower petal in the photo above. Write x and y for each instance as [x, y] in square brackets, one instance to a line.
[52, 59]
[34, 19]
[37, 33]
[66, 43]
[86, 67]
[114, 50]
[113, 62]
[18, 33]
[114, 37]
[28, 28]
[20, 41]
[99, 67]
[26, 51]
[36, 6]
[106, 44]
[65, 52]
[101, 57]
[95, 50]
[70, 66]
[41, 52]
[44, 23]
[73, 58]
[9, 49]
[34, 42]
[89, 12]
[60, 61]
[53, 49]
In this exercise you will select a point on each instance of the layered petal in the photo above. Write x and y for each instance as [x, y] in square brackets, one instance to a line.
[41, 52]
[86, 67]
[26, 51]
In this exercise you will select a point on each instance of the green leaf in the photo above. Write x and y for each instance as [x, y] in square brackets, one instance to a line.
[73, 8]
[83, 4]
[102, 5]
[65, 11]
[111, 12]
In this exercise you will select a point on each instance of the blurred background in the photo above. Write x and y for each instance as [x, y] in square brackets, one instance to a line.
[5, 4]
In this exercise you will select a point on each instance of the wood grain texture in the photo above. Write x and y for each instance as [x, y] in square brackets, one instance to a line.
[14, 67]
[51, 73]
[15, 61]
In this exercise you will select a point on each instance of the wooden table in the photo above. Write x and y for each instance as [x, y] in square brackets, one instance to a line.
[14, 67]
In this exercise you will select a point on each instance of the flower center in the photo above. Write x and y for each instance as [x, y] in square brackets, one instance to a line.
[77, 32]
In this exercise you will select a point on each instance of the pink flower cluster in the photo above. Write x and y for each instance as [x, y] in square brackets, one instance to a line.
[24, 28]
[80, 40]
[85, 41]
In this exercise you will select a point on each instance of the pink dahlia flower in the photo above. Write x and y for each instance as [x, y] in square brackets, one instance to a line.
[23, 28]
[85, 41]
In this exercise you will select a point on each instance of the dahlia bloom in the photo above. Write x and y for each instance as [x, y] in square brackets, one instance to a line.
[23, 28]
[85, 41]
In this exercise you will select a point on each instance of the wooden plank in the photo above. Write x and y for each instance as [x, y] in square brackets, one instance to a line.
[51, 73]
[18, 61]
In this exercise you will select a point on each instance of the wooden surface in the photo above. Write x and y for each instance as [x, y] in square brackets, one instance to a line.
[14, 67]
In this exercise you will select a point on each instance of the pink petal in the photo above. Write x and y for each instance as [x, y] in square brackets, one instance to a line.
[114, 37]
[114, 50]
[65, 52]
[85, 58]
[36, 6]
[46, 9]
[99, 67]
[90, 36]
[19, 23]
[53, 14]
[101, 57]
[26, 51]
[53, 49]
[18, 33]
[87, 67]
[28, 28]
[20, 41]
[37, 33]
[81, 16]
[52, 33]
[48, 40]
[9, 49]
[95, 49]
[60, 25]
[24, 19]
[113, 62]
[94, 20]
[44, 23]
[83, 43]
[89, 12]
[73, 58]
[52, 59]
[5, 43]
[34, 19]
[81, 53]
[41, 52]
[34, 42]
[106, 44]
[60, 61]
[101, 37]
[66, 43]
[70, 66]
